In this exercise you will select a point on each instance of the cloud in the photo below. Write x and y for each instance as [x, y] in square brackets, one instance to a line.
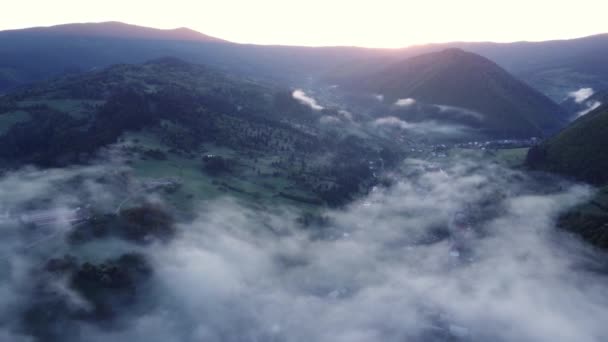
[452, 249]
[386, 269]
[343, 116]
[379, 97]
[346, 114]
[581, 95]
[459, 110]
[392, 121]
[329, 120]
[405, 102]
[424, 127]
[591, 106]
[301, 96]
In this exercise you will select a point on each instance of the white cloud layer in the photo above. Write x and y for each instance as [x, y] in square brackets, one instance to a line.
[581, 95]
[455, 250]
[424, 127]
[460, 110]
[301, 96]
[405, 102]
[591, 106]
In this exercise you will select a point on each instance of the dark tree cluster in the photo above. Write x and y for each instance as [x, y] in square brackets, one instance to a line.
[142, 224]
[107, 289]
[217, 165]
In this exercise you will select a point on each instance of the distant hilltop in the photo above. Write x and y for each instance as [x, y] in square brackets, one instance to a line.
[115, 29]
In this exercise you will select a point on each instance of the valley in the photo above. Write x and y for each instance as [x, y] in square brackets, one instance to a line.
[167, 185]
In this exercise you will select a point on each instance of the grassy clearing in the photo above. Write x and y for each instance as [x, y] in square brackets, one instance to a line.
[251, 178]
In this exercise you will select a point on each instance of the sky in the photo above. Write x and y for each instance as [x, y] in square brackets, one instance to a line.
[377, 23]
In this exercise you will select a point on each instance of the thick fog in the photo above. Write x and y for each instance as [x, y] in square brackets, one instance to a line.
[454, 250]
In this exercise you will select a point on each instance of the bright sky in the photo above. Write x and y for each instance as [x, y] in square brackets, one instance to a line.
[373, 23]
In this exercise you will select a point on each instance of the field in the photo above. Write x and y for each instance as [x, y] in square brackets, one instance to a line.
[255, 178]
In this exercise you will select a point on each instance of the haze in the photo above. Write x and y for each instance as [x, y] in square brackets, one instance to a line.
[380, 23]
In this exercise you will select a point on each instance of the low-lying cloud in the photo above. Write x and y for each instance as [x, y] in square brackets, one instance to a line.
[329, 120]
[460, 110]
[425, 127]
[341, 116]
[579, 96]
[449, 250]
[346, 115]
[405, 102]
[591, 106]
[301, 96]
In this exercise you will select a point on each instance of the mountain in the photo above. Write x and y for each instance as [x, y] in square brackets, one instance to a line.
[578, 151]
[554, 67]
[29, 55]
[115, 29]
[453, 78]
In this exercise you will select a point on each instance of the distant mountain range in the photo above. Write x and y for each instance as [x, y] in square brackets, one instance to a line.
[451, 79]
[31, 55]
[114, 29]
[554, 67]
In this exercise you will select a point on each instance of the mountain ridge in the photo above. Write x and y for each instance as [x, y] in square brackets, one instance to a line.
[455, 77]
[553, 67]
[116, 29]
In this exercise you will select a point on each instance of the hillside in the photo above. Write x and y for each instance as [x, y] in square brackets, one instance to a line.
[554, 67]
[579, 151]
[453, 77]
[169, 118]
